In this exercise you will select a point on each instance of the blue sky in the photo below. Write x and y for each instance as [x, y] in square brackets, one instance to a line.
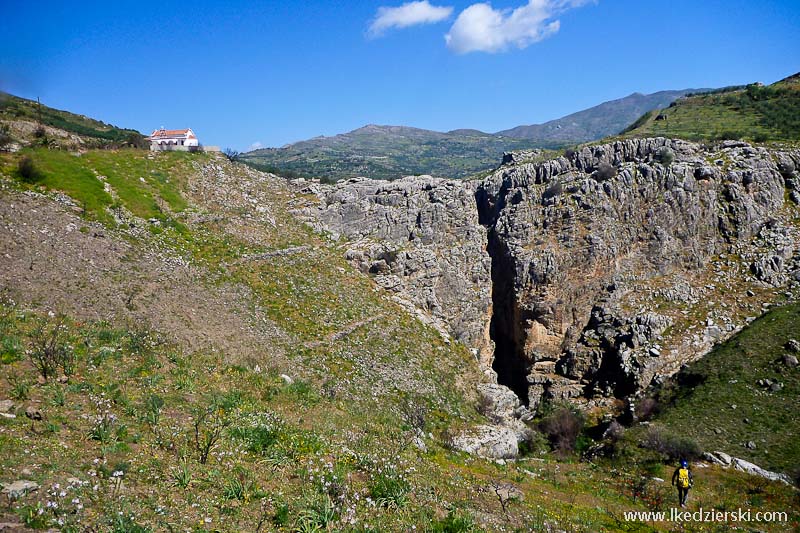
[240, 73]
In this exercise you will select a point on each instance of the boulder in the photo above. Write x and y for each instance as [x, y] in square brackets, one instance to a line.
[19, 488]
[490, 442]
[755, 470]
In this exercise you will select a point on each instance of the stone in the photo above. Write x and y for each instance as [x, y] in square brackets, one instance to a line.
[720, 458]
[34, 413]
[753, 469]
[507, 492]
[287, 379]
[490, 442]
[790, 360]
[750, 445]
[19, 488]
[6, 406]
[498, 402]
[793, 346]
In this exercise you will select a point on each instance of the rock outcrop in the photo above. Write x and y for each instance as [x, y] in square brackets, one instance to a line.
[420, 239]
[620, 263]
[583, 277]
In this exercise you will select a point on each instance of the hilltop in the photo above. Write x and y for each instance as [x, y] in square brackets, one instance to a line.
[755, 112]
[29, 122]
[390, 152]
[596, 122]
[387, 152]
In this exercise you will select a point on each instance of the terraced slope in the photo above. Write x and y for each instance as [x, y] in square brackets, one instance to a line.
[754, 112]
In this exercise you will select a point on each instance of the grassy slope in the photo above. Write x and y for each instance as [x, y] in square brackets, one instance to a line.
[346, 415]
[756, 113]
[727, 377]
[15, 108]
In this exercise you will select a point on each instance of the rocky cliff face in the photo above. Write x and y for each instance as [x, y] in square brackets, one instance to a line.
[421, 239]
[589, 276]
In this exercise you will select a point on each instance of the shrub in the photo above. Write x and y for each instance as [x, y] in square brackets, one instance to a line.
[28, 171]
[605, 171]
[671, 446]
[209, 425]
[553, 190]
[646, 409]
[5, 136]
[231, 154]
[414, 413]
[666, 156]
[39, 132]
[49, 349]
[562, 428]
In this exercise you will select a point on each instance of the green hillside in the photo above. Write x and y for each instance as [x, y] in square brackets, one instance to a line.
[719, 402]
[754, 112]
[388, 152]
[13, 108]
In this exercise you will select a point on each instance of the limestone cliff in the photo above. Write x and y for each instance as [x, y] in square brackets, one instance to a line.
[593, 273]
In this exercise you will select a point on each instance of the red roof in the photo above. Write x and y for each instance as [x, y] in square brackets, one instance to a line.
[162, 133]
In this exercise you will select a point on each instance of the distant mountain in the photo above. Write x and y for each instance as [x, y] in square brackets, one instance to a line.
[754, 112]
[388, 152]
[608, 118]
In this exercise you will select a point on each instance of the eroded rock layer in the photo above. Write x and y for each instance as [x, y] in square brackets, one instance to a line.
[588, 276]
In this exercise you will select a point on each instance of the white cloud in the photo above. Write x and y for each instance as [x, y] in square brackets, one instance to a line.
[255, 146]
[408, 14]
[481, 28]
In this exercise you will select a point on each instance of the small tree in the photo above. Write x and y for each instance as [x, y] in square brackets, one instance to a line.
[231, 154]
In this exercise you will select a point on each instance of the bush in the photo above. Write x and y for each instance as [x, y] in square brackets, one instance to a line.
[646, 409]
[605, 171]
[39, 132]
[231, 154]
[555, 189]
[5, 136]
[28, 171]
[209, 425]
[49, 348]
[562, 428]
[671, 446]
[666, 156]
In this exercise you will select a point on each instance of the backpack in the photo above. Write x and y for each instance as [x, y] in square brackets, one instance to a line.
[683, 478]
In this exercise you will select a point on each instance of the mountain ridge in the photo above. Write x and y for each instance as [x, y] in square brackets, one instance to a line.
[392, 151]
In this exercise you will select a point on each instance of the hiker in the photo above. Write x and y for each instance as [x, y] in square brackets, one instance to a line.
[682, 478]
